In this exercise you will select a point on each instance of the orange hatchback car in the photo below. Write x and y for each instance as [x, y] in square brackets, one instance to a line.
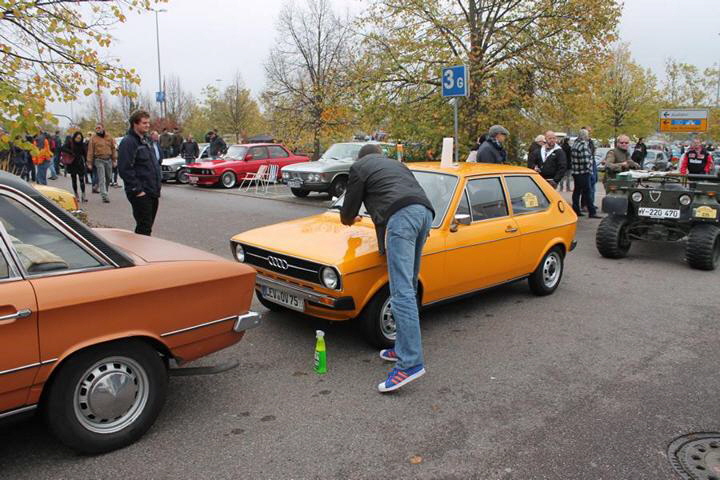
[92, 320]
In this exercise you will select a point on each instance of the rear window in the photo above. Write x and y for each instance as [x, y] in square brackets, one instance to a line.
[525, 195]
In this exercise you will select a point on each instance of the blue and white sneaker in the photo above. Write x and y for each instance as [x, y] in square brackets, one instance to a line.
[389, 355]
[397, 378]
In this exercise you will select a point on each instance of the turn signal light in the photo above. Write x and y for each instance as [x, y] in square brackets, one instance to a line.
[711, 194]
[326, 301]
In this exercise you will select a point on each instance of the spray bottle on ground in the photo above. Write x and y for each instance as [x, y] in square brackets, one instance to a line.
[320, 353]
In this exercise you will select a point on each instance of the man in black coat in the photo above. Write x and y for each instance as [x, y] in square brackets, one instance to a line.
[553, 161]
[492, 151]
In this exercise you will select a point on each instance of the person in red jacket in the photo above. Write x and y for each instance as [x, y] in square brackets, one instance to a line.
[696, 160]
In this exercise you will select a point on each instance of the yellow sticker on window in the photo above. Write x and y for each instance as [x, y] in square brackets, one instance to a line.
[705, 212]
[530, 200]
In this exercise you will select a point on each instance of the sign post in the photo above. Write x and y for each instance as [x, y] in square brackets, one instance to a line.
[684, 120]
[455, 85]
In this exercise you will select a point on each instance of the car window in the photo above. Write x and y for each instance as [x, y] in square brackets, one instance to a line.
[464, 206]
[487, 199]
[40, 247]
[525, 195]
[277, 152]
[259, 153]
[4, 268]
[439, 189]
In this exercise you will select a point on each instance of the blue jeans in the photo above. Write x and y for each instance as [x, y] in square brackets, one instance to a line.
[42, 172]
[405, 237]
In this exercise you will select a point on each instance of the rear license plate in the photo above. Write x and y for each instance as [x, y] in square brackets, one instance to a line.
[659, 212]
[192, 179]
[284, 298]
[294, 183]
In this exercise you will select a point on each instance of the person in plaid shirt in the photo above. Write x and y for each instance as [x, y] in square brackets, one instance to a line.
[582, 164]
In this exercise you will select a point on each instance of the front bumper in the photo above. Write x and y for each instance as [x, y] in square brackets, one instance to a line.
[169, 174]
[313, 187]
[247, 321]
[204, 179]
[312, 297]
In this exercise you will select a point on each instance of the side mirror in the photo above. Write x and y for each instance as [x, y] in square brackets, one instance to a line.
[460, 219]
[248, 157]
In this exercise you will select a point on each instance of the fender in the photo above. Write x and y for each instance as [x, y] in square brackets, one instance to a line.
[554, 242]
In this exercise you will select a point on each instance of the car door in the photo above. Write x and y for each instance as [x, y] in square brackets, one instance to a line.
[19, 350]
[531, 210]
[483, 253]
[259, 157]
[280, 157]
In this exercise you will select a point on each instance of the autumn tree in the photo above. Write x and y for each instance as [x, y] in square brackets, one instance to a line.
[307, 73]
[233, 110]
[178, 101]
[50, 51]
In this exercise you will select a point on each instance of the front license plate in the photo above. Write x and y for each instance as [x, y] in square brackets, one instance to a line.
[192, 179]
[294, 183]
[284, 298]
[658, 212]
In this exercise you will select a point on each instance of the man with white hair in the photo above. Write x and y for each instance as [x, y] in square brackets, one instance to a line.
[618, 159]
[533, 159]
[552, 160]
[582, 163]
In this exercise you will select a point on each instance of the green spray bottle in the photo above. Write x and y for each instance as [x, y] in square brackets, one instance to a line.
[320, 353]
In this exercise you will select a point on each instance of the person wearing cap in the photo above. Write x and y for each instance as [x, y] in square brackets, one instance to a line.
[492, 150]
[402, 215]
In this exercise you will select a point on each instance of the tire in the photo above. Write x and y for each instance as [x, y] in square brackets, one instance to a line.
[228, 180]
[273, 307]
[703, 247]
[182, 176]
[338, 186]
[611, 238]
[300, 193]
[376, 322]
[133, 369]
[547, 276]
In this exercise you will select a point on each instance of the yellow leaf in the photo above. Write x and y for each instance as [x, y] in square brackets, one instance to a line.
[88, 92]
[416, 459]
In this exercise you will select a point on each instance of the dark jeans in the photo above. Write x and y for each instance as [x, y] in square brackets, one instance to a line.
[144, 210]
[75, 178]
[582, 191]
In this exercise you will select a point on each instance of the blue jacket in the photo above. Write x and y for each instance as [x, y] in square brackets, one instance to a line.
[138, 166]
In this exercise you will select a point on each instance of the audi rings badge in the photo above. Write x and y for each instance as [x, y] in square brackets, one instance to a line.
[278, 263]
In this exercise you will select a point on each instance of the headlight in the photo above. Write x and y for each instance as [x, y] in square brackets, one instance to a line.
[239, 253]
[685, 200]
[637, 197]
[285, 175]
[329, 278]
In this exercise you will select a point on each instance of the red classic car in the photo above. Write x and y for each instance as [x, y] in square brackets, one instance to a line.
[239, 161]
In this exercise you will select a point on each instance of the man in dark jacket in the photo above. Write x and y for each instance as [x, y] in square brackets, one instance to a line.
[553, 162]
[217, 145]
[565, 145]
[492, 151]
[533, 158]
[402, 215]
[166, 143]
[190, 150]
[176, 142]
[140, 171]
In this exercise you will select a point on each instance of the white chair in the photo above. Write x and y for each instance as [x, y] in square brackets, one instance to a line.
[253, 177]
[269, 176]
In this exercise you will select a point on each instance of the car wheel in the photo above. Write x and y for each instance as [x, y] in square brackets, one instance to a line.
[546, 277]
[106, 397]
[273, 307]
[611, 239]
[703, 247]
[182, 176]
[300, 193]
[228, 180]
[338, 187]
[377, 322]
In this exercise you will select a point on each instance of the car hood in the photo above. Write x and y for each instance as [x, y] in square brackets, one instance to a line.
[212, 163]
[152, 249]
[320, 238]
[171, 162]
[320, 166]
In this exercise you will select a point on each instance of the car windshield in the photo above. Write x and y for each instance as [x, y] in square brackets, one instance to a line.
[236, 152]
[439, 188]
[342, 151]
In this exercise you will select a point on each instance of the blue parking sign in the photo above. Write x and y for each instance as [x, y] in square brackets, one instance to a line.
[454, 81]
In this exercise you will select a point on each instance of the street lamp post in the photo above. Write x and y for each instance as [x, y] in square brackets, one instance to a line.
[717, 98]
[161, 98]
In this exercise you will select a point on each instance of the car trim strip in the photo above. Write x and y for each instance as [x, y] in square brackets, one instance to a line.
[201, 325]
[10, 413]
[25, 367]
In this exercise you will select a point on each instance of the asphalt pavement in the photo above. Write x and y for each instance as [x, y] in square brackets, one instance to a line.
[592, 382]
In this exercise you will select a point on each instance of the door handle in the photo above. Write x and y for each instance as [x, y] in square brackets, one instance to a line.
[6, 319]
[511, 229]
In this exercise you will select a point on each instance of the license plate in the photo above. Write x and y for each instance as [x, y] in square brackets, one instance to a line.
[192, 179]
[294, 183]
[284, 298]
[658, 212]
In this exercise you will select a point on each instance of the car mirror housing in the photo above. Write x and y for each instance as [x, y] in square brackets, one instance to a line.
[463, 219]
[248, 157]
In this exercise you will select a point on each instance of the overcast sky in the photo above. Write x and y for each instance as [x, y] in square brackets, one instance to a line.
[207, 42]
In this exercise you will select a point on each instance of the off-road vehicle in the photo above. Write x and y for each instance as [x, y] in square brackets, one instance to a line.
[662, 207]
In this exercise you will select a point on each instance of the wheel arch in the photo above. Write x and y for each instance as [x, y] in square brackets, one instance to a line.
[555, 242]
[380, 284]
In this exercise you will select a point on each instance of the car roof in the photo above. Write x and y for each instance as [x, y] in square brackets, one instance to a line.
[465, 169]
[13, 181]
[256, 144]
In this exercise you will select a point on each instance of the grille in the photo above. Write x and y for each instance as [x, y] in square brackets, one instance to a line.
[276, 262]
[199, 171]
[165, 168]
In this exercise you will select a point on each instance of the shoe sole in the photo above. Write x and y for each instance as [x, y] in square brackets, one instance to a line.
[383, 389]
[388, 358]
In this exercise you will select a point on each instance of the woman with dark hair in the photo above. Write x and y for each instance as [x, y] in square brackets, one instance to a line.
[76, 147]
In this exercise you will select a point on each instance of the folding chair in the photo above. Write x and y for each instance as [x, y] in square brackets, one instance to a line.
[270, 176]
[253, 177]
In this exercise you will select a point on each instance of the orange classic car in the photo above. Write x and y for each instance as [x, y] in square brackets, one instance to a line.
[92, 320]
[493, 224]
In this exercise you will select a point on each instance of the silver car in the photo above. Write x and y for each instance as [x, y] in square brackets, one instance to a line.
[172, 168]
[329, 173]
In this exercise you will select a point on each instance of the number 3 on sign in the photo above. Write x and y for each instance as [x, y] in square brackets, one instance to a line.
[449, 79]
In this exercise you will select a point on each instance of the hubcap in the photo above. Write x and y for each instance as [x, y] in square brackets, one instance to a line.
[551, 270]
[182, 176]
[228, 180]
[387, 322]
[111, 395]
